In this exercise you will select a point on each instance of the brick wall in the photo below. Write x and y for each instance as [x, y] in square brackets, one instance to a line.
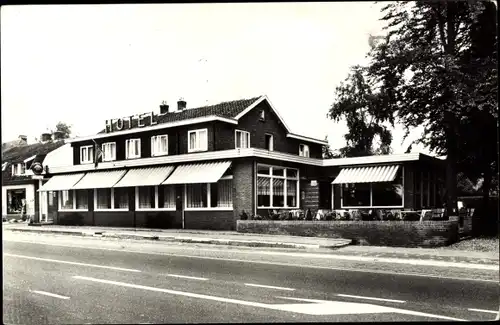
[243, 187]
[311, 195]
[114, 219]
[74, 218]
[380, 233]
[213, 220]
[158, 219]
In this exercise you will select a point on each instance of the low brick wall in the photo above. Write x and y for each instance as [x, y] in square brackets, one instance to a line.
[377, 233]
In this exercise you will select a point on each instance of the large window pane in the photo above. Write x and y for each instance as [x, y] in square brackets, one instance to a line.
[196, 195]
[278, 192]
[224, 189]
[356, 195]
[66, 199]
[166, 196]
[263, 191]
[121, 197]
[82, 199]
[291, 193]
[386, 194]
[146, 197]
[263, 170]
[103, 198]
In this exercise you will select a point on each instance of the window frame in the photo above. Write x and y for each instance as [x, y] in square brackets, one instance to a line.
[209, 198]
[74, 209]
[303, 151]
[104, 151]
[112, 202]
[285, 177]
[156, 208]
[127, 144]
[371, 206]
[197, 132]
[155, 138]
[82, 161]
[247, 136]
[17, 168]
[271, 141]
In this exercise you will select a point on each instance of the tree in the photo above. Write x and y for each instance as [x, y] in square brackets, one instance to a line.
[64, 128]
[355, 101]
[327, 152]
[424, 75]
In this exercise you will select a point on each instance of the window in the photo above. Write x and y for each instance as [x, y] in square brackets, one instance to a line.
[120, 198]
[418, 190]
[425, 189]
[133, 148]
[166, 197]
[159, 145]
[262, 115]
[277, 187]
[210, 196]
[304, 150]
[197, 140]
[269, 142]
[378, 194]
[19, 169]
[16, 200]
[103, 198]
[109, 151]
[242, 139]
[111, 199]
[146, 197]
[86, 154]
[73, 200]
[4, 166]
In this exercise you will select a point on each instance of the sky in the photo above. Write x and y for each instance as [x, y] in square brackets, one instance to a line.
[83, 64]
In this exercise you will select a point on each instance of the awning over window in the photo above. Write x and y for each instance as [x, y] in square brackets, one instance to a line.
[99, 179]
[145, 176]
[61, 182]
[198, 173]
[367, 174]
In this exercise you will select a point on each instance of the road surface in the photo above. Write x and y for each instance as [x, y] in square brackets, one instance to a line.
[64, 279]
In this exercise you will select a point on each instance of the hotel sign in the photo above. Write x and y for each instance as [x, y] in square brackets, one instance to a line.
[119, 124]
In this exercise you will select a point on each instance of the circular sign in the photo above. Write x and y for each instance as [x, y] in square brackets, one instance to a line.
[37, 168]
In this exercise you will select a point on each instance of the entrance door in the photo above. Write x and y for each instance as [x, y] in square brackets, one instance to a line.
[51, 206]
[179, 208]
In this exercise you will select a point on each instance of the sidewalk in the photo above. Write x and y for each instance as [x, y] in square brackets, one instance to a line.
[333, 248]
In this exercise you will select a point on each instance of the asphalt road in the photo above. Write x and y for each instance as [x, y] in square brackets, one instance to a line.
[55, 279]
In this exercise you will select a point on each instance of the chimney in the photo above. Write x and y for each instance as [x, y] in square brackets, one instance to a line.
[57, 135]
[163, 108]
[23, 138]
[46, 137]
[181, 105]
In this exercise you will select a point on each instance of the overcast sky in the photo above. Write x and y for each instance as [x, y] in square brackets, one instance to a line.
[83, 64]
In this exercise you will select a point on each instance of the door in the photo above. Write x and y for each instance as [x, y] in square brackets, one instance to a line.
[179, 206]
[51, 206]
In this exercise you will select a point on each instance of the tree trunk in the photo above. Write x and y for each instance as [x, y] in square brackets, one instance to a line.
[451, 165]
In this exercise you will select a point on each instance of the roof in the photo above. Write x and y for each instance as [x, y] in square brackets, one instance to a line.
[19, 154]
[379, 159]
[14, 143]
[228, 109]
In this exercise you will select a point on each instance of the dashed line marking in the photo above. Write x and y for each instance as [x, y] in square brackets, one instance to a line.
[270, 287]
[72, 263]
[49, 294]
[186, 277]
[371, 298]
[484, 310]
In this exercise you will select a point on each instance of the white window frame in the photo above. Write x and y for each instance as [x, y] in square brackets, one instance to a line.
[209, 198]
[74, 209]
[154, 145]
[245, 134]
[271, 143]
[103, 148]
[286, 178]
[127, 144]
[303, 151]
[371, 206]
[17, 168]
[204, 146]
[85, 161]
[156, 208]
[112, 203]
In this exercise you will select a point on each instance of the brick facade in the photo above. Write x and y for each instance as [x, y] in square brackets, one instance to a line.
[213, 220]
[390, 233]
[243, 187]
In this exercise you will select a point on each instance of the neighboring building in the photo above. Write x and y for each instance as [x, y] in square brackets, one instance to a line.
[21, 141]
[19, 196]
[201, 167]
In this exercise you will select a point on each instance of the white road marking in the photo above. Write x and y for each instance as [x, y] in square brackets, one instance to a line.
[72, 263]
[270, 287]
[186, 277]
[257, 262]
[371, 298]
[324, 308]
[49, 294]
[484, 311]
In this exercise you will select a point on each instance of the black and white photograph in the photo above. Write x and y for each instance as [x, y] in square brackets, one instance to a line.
[253, 162]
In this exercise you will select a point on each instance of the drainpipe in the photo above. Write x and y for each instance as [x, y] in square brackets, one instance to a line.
[40, 202]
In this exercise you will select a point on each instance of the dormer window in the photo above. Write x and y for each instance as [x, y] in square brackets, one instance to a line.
[86, 154]
[18, 169]
[262, 115]
[133, 148]
[304, 150]
[109, 151]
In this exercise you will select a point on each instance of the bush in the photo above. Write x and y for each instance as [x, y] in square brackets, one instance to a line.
[329, 216]
[243, 215]
[308, 215]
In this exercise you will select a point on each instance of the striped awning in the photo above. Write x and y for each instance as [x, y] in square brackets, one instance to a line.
[145, 176]
[99, 179]
[367, 174]
[209, 172]
[61, 182]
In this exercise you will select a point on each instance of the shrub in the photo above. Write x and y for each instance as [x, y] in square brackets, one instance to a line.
[309, 215]
[329, 216]
[243, 215]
